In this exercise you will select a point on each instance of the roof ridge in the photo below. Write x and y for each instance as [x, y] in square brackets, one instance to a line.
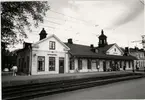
[77, 44]
[111, 43]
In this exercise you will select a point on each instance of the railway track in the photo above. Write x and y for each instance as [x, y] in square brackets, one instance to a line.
[29, 91]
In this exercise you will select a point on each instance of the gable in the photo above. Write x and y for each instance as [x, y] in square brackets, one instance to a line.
[45, 44]
[114, 50]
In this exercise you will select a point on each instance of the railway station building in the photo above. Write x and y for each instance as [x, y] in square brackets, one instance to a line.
[52, 56]
[47, 56]
[105, 57]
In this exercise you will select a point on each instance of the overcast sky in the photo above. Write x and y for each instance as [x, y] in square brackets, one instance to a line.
[82, 20]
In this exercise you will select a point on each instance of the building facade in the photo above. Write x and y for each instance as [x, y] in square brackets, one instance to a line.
[105, 57]
[51, 56]
[140, 55]
[47, 56]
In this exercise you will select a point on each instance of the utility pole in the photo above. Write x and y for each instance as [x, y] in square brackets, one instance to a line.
[141, 41]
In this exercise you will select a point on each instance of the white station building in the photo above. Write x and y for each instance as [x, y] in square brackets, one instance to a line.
[52, 56]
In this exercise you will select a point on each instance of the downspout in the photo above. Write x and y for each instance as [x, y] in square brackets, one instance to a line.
[30, 48]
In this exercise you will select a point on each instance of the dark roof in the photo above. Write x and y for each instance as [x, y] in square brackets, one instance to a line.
[84, 51]
[136, 50]
[122, 49]
[103, 50]
[26, 46]
[77, 49]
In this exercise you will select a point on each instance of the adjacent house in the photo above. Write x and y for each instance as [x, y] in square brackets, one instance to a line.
[51, 56]
[140, 55]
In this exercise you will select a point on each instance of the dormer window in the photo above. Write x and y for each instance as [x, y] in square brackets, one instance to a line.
[51, 45]
[100, 41]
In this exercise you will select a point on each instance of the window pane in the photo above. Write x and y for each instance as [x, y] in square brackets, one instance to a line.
[51, 63]
[79, 64]
[71, 64]
[52, 45]
[97, 64]
[41, 63]
[89, 64]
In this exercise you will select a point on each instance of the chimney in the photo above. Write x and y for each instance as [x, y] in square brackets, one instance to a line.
[136, 48]
[70, 41]
[92, 46]
[42, 34]
[126, 51]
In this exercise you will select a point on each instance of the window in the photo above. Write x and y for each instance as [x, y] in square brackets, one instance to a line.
[79, 64]
[51, 45]
[129, 64]
[115, 49]
[89, 64]
[96, 50]
[97, 64]
[120, 64]
[71, 64]
[25, 65]
[142, 55]
[51, 63]
[100, 41]
[41, 63]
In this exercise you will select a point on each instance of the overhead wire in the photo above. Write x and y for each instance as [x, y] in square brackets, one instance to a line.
[94, 25]
[65, 20]
[142, 1]
[71, 17]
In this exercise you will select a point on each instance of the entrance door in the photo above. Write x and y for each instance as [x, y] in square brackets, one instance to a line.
[61, 65]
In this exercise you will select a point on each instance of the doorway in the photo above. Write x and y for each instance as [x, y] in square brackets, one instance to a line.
[104, 66]
[61, 65]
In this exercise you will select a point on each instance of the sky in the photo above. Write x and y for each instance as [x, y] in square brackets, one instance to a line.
[83, 20]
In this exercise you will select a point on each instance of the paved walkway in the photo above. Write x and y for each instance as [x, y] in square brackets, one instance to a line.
[46, 76]
[18, 80]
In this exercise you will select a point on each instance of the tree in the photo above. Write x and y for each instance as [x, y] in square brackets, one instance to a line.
[16, 16]
[142, 1]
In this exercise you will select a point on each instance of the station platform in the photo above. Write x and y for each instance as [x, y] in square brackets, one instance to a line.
[22, 80]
